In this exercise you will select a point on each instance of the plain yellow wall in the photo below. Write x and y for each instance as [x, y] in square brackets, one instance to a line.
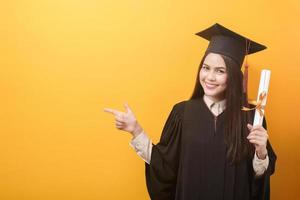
[63, 61]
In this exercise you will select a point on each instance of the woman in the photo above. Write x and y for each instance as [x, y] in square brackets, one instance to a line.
[208, 148]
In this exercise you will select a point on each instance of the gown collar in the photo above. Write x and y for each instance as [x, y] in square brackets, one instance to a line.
[215, 107]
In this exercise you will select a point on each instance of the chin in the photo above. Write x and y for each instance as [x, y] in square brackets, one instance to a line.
[212, 96]
[211, 93]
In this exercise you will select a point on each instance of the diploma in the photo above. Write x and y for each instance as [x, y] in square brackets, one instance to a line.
[262, 97]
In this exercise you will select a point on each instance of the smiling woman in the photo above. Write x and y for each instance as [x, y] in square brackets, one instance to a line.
[208, 148]
[213, 76]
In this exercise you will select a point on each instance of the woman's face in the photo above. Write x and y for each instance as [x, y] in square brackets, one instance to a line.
[213, 77]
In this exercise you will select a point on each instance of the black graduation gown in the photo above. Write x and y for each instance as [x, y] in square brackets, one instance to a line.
[189, 162]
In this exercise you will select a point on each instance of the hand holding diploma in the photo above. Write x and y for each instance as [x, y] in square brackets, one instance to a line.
[258, 135]
[126, 121]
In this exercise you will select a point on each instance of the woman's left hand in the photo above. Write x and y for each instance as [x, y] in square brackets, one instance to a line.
[259, 137]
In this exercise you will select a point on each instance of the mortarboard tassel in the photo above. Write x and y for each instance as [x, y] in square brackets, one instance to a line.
[246, 66]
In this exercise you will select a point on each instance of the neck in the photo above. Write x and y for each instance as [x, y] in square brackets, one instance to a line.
[215, 100]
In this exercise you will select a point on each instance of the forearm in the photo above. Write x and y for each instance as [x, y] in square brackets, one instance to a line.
[142, 144]
[260, 165]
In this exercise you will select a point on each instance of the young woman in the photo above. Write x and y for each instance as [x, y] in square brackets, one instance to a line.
[208, 148]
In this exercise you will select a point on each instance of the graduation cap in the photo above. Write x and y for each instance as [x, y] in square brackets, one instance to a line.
[229, 43]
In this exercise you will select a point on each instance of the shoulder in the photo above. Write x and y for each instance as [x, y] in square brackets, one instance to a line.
[180, 107]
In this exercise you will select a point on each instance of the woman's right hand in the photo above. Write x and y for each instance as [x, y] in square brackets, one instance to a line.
[126, 121]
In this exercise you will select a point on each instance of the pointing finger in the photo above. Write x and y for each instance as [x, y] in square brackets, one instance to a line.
[112, 111]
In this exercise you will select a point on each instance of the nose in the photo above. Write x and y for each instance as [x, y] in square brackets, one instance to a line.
[211, 75]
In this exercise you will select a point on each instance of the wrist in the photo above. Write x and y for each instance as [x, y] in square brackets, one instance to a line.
[137, 130]
[262, 154]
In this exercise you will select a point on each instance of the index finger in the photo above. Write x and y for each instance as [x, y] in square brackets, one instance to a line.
[112, 111]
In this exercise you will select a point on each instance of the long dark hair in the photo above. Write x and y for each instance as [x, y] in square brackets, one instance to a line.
[236, 130]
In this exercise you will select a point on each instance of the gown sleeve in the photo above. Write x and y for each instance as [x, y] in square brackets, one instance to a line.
[161, 173]
[261, 184]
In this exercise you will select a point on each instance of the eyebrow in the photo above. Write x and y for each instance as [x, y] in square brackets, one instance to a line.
[215, 67]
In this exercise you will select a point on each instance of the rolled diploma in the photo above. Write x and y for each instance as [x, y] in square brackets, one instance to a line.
[263, 87]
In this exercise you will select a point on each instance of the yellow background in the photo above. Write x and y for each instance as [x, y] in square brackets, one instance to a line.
[63, 61]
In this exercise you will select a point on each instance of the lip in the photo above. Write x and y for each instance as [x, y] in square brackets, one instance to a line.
[210, 86]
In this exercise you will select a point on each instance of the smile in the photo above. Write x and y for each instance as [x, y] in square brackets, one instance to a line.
[210, 86]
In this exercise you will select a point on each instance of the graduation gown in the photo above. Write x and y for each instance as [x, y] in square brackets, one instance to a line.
[189, 162]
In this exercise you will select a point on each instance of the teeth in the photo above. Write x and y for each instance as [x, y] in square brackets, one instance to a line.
[209, 85]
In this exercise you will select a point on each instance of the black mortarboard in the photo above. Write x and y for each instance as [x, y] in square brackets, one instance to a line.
[229, 43]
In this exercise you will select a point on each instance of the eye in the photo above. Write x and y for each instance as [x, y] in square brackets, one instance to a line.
[221, 71]
[205, 67]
